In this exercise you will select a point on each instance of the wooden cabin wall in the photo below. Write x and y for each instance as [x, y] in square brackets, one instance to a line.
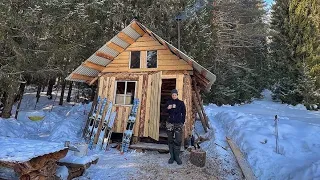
[166, 59]
[123, 112]
[145, 93]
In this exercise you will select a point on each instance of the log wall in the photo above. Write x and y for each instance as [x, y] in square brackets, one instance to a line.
[143, 92]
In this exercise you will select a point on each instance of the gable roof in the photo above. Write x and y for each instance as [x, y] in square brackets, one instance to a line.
[89, 70]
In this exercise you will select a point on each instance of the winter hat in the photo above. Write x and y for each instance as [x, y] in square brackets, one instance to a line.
[174, 91]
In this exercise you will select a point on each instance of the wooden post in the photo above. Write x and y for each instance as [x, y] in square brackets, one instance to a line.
[200, 102]
[199, 112]
[276, 133]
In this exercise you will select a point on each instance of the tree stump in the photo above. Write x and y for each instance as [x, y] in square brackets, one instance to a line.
[198, 157]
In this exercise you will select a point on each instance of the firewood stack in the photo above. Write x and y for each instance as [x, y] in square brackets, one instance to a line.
[39, 168]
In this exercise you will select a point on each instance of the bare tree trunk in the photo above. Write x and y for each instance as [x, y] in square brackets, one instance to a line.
[69, 92]
[50, 87]
[63, 86]
[21, 91]
[9, 101]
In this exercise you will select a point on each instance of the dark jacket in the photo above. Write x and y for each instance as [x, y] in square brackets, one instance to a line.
[178, 114]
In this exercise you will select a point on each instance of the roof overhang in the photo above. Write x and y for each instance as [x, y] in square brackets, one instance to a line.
[91, 68]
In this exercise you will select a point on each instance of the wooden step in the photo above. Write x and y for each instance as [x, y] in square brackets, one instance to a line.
[163, 134]
[150, 146]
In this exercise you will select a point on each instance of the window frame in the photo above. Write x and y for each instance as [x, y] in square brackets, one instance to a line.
[130, 60]
[125, 91]
[147, 59]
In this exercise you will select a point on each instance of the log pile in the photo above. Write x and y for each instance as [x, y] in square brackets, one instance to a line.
[75, 169]
[38, 168]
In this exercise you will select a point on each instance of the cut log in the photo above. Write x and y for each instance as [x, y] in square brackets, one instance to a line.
[198, 157]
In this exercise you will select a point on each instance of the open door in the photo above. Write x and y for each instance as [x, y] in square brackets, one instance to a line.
[155, 98]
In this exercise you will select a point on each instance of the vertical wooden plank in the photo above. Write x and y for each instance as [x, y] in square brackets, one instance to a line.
[106, 87]
[155, 106]
[187, 89]
[115, 109]
[143, 59]
[100, 86]
[139, 96]
[111, 89]
[143, 105]
[179, 85]
[119, 119]
[148, 98]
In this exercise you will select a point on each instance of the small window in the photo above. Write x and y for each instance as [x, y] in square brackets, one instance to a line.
[151, 59]
[135, 59]
[125, 91]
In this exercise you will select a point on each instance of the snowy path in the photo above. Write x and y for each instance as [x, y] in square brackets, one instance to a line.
[251, 126]
[153, 165]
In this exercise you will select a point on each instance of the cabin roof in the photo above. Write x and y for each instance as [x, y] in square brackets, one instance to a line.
[89, 70]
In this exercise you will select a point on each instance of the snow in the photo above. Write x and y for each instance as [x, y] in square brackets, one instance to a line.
[22, 150]
[248, 125]
[252, 124]
[62, 172]
[70, 158]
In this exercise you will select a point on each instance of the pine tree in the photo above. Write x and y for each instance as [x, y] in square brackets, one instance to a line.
[240, 50]
[294, 50]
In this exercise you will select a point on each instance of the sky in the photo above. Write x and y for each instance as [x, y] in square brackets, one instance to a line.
[269, 2]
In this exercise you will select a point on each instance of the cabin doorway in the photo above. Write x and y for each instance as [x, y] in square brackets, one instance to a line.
[166, 87]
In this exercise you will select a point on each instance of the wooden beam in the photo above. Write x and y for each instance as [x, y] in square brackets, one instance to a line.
[245, 168]
[195, 102]
[93, 80]
[115, 47]
[137, 28]
[146, 48]
[125, 38]
[93, 66]
[200, 102]
[201, 77]
[82, 77]
[104, 55]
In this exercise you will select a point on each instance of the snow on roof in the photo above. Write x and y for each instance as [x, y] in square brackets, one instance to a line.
[22, 150]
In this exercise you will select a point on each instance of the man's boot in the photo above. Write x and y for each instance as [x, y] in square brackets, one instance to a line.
[171, 151]
[177, 155]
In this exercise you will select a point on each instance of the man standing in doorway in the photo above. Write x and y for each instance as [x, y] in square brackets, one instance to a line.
[175, 122]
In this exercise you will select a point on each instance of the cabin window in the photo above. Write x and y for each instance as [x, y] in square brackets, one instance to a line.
[135, 59]
[125, 91]
[151, 59]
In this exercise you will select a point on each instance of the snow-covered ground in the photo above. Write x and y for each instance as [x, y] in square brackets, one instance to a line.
[251, 125]
[65, 123]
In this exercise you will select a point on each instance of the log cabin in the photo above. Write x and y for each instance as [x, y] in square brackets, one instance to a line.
[137, 63]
